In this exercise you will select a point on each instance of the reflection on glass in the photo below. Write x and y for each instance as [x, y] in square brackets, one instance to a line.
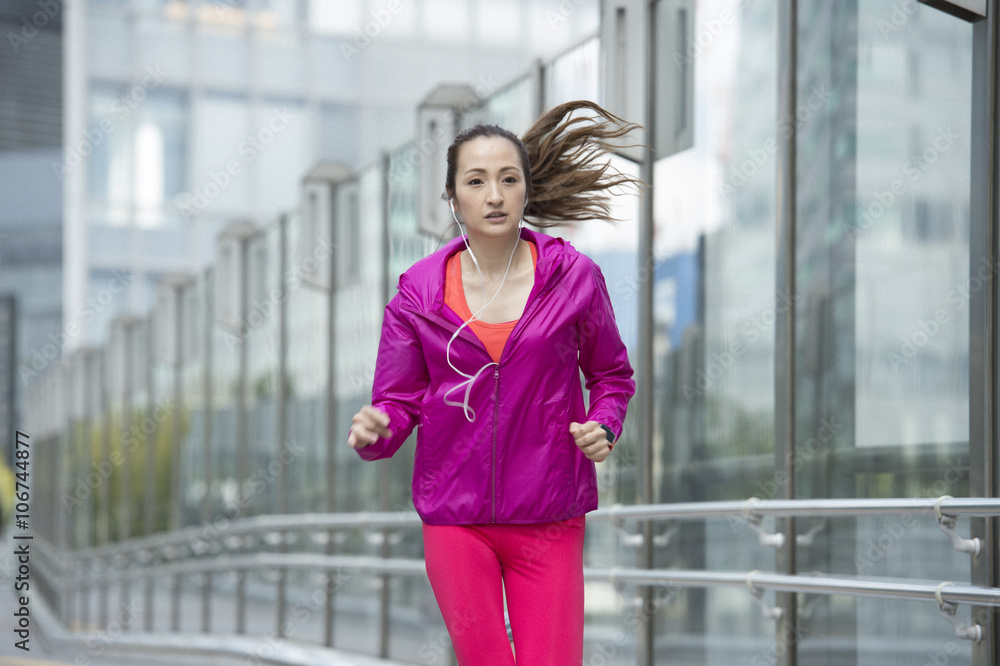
[882, 327]
[714, 314]
[513, 107]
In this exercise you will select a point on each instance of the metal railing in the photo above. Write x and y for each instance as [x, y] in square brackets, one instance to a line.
[210, 550]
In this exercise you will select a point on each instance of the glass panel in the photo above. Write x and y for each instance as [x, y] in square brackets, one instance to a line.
[574, 75]
[513, 107]
[223, 485]
[192, 412]
[308, 353]
[406, 244]
[714, 314]
[261, 337]
[882, 309]
[361, 295]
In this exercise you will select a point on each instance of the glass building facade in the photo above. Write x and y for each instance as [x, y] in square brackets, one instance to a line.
[807, 288]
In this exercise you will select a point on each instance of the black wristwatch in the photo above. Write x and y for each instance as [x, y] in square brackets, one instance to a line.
[609, 433]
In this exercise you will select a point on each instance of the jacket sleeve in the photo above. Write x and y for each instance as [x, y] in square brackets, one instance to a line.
[401, 378]
[604, 360]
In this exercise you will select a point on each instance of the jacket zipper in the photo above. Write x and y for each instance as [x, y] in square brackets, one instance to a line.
[496, 409]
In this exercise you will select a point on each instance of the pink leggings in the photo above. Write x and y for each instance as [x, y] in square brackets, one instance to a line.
[539, 566]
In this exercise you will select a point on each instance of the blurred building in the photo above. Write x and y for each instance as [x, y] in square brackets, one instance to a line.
[31, 248]
[821, 262]
[182, 115]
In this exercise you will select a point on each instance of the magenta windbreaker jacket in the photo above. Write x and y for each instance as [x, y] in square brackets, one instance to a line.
[517, 461]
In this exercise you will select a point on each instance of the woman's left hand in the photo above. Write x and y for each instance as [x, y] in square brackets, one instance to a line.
[591, 439]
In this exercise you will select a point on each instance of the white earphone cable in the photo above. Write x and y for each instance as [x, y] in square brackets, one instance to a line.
[470, 414]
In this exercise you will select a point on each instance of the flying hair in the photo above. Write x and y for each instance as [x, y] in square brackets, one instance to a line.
[565, 157]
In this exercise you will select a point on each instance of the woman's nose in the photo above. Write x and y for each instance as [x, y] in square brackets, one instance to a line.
[494, 195]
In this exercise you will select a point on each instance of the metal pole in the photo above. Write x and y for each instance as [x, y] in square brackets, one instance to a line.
[282, 398]
[150, 478]
[104, 519]
[784, 344]
[984, 345]
[241, 427]
[385, 480]
[125, 495]
[208, 315]
[332, 436]
[645, 384]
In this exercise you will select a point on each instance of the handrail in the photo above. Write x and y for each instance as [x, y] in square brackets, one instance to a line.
[816, 508]
[831, 585]
[673, 578]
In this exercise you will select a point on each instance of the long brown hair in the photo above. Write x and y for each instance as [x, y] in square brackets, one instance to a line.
[567, 181]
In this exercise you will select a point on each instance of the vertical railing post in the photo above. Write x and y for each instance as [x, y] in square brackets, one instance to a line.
[208, 316]
[785, 356]
[984, 320]
[282, 424]
[242, 462]
[385, 480]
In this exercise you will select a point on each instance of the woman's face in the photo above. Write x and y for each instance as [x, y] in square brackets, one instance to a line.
[489, 186]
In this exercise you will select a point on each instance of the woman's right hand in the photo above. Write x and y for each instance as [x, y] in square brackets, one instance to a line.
[367, 426]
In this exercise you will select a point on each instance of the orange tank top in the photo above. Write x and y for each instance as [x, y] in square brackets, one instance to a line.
[493, 336]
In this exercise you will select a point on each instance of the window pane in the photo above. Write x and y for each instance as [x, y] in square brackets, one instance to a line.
[109, 144]
[220, 181]
[882, 385]
[714, 313]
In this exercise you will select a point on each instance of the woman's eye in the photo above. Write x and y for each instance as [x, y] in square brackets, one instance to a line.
[510, 179]
[475, 181]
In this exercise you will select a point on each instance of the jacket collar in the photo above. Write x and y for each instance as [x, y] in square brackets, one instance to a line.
[424, 281]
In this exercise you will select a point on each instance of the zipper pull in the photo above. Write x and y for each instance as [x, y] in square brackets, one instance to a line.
[496, 372]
